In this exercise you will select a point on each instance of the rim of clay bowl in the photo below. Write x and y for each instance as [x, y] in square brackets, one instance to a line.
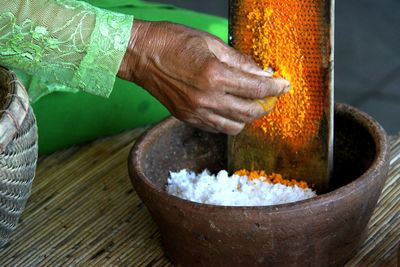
[381, 158]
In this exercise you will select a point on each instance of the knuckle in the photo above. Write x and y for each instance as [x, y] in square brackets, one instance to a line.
[221, 126]
[270, 87]
[238, 116]
[194, 102]
[244, 115]
[199, 104]
[212, 74]
[236, 129]
[211, 102]
[258, 111]
[258, 90]
[202, 101]
[210, 68]
[248, 120]
[193, 41]
[196, 105]
[255, 88]
[242, 59]
[232, 128]
[276, 87]
[252, 113]
[279, 89]
[246, 59]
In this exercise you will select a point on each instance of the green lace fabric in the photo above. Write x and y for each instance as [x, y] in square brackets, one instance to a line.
[63, 45]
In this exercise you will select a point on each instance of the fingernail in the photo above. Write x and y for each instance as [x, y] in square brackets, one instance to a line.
[266, 73]
[270, 71]
[287, 88]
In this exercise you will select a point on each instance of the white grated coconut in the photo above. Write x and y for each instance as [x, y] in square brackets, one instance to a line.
[235, 190]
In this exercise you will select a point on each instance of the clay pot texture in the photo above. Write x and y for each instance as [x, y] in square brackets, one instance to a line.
[323, 231]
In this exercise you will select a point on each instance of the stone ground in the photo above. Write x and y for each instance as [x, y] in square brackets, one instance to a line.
[367, 58]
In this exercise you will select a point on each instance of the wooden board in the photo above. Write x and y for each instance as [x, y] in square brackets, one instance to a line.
[84, 212]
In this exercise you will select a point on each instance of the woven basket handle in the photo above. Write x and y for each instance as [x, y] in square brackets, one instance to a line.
[15, 107]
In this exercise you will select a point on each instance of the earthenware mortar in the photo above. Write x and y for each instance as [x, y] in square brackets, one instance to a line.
[323, 231]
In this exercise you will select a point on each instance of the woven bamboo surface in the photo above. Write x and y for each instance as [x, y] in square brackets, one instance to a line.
[84, 212]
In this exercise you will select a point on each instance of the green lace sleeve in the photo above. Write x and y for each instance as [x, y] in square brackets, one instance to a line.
[65, 45]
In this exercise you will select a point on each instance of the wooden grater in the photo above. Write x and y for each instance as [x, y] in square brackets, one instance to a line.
[295, 39]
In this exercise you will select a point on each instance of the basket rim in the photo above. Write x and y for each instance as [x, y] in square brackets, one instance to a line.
[15, 107]
[9, 87]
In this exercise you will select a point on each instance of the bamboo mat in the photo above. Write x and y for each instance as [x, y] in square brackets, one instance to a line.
[84, 212]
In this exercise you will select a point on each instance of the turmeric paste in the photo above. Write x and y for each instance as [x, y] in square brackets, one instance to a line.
[274, 178]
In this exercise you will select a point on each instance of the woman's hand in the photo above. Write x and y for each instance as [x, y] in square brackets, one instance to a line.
[198, 78]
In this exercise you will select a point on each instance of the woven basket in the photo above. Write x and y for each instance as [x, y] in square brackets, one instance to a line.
[18, 151]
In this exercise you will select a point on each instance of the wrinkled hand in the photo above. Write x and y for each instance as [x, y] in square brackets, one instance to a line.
[197, 77]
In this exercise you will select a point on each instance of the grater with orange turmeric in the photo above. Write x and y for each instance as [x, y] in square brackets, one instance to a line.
[294, 38]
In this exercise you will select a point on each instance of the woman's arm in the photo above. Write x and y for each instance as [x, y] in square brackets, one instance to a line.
[71, 45]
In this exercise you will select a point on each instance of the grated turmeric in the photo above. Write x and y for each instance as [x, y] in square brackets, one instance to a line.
[274, 178]
[288, 37]
[281, 36]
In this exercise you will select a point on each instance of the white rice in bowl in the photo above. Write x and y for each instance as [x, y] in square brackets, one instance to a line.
[235, 190]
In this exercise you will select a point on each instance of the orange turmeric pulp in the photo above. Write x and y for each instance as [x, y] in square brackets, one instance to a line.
[287, 37]
[273, 178]
[282, 36]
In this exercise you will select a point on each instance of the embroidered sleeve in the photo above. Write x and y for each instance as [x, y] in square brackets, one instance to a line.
[66, 45]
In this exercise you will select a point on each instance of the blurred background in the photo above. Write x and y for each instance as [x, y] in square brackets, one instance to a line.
[367, 58]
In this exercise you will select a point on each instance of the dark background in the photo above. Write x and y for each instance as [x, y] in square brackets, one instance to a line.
[367, 58]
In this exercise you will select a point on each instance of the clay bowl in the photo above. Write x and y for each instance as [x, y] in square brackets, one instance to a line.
[323, 231]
